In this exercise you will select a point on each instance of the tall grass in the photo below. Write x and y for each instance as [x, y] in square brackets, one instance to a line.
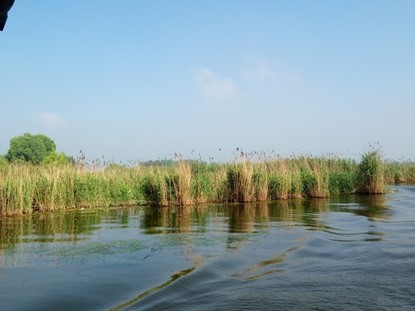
[240, 182]
[25, 188]
[17, 186]
[400, 172]
[371, 174]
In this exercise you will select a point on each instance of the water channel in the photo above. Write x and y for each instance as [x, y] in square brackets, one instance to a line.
[342, 253]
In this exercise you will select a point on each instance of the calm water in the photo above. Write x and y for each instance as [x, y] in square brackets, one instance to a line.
[348, 253]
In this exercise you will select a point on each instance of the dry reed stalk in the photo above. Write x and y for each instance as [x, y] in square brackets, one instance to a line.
[182, 178]
[240, 182]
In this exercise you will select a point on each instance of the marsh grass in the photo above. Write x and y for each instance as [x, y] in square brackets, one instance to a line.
[400, 172]
[16, 189]
[240, 182]
[25, 188]
[314, 178]
[209, 183]
[371, 174]
[154, 186]
[179, 183]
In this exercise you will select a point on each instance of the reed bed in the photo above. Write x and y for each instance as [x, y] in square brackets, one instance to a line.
[25, 188]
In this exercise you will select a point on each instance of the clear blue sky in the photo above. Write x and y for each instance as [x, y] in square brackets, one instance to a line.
[139, 80]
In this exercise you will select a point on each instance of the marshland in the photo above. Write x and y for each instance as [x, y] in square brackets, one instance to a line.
[296, 229]
[259, 232]
[26, 188]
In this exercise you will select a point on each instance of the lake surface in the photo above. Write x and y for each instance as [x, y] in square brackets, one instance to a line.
[346, 253]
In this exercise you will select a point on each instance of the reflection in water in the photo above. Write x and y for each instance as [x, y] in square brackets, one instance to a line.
[262, 214]
[285, 254]
[181, 219]
[72, 226]
[282, 212]
[294, 212]
[155, 220]
[164, 220]
[373, 206]
[241, 218]
[60, 226]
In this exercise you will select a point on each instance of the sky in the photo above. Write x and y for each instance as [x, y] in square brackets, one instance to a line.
[144, 79]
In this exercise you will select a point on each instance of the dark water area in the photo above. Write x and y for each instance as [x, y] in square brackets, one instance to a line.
[346, 253]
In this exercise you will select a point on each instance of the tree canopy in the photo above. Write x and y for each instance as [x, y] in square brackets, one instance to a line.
[30, 148]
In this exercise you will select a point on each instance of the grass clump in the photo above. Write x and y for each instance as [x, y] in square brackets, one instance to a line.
[371, 174]
[208, 183]
[179, 182]
[315, 178]
[279, 185]
[279, 179]
[240, 182]
[154, 187]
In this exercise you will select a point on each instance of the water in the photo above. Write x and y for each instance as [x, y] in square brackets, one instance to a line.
[348, 253]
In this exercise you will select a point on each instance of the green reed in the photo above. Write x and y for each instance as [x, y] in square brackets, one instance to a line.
[371, 174]
[25, 188]
[400, 172]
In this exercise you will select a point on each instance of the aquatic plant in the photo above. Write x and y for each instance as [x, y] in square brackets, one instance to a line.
[154, 187]
[371, 174]
[179, 182]
[399, 172]
[240, 182]
[25, 187]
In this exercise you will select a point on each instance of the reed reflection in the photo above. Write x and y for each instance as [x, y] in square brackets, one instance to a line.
[281, 212]
[184, 219]
[288, 213]
[67, 226]
[373, 207]
[155, 220]
[241, 218]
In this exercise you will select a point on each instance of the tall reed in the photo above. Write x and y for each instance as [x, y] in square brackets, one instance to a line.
[240, 182]
[16, 189]
[371, 174]
[154, 186]
[279, 179]
[315, 178]
[179, 182]
[400, 172]
[25, 188]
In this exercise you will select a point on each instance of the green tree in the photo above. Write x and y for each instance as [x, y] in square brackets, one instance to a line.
[30, 148]
[55, 158]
